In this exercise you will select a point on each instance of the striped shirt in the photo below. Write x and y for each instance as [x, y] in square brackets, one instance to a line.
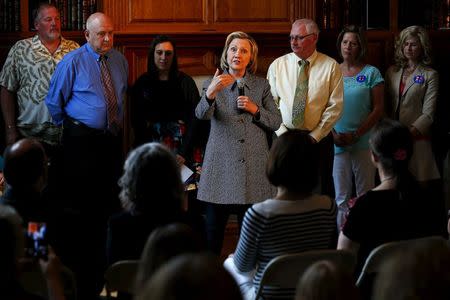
[276, 227]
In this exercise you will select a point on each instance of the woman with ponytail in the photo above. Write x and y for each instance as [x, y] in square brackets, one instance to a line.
[390, 211]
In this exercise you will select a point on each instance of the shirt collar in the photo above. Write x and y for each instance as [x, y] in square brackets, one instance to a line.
[247, 80]
[310, 59]
[37, 44]
[95, 54]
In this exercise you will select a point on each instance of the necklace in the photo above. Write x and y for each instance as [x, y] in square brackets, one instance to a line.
[388, 178]
[409, 70]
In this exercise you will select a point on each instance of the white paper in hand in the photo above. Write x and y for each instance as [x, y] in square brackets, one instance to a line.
[185, 173]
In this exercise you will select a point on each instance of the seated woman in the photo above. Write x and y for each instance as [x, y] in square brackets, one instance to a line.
[325, 280]
[198, 276]
[151, 194]
[163, 244]
[295, 220]
[422, 273]
[390, 211]
[13, 261]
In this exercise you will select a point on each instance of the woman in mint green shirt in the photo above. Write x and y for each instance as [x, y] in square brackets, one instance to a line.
[363, 107]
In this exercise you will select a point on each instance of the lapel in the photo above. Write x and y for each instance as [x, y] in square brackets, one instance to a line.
[418, 71]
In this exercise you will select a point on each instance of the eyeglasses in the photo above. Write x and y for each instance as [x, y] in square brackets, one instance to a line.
[298, 38]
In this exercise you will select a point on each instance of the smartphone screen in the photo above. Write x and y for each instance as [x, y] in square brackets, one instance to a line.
[36, 240]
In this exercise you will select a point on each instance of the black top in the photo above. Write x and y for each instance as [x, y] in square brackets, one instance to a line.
[163, 111]
[128, 233]
[378, 217]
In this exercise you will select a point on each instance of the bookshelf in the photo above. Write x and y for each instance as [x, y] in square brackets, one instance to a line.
[16, 16]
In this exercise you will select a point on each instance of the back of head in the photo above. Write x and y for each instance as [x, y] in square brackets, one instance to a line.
[392, 144]
[293, 162]
[151, 181]
[24, 163]
[325, 280]
[163, 244]
[11, 249]
[422, 272]
[191, 277]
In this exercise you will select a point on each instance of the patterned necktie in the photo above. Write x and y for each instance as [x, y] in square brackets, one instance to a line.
[298, 108]
[110, 96]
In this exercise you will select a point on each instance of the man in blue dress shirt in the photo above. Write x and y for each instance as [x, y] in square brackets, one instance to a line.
[78, 101]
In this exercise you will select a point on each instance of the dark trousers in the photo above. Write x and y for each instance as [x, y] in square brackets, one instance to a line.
[325, 149]
[92, 162]
[216, 220]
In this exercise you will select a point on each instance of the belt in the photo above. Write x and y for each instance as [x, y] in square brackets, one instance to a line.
[74, 127]
[298, 130]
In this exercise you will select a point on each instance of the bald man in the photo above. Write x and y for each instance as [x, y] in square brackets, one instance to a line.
[25, 172]
[89, 105]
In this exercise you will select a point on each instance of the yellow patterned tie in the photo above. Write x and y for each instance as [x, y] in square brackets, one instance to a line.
[301, 91]
[110, 95]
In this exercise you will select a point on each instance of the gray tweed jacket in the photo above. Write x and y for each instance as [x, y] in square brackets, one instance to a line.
[234, 165]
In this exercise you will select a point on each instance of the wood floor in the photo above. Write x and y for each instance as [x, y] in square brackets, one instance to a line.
[230, 239]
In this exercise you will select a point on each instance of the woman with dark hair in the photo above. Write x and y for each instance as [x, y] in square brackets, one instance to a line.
[163, 244]
[198, 276]
[151, 194]
[295, 220]
[390, 211]
[242, 113]
[163, 102]
[363, 98]
[325, 280]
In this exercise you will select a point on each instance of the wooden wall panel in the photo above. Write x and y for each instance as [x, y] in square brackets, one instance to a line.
[252, 11]
[166, 11]
[181, 16]
[157, 16]
[381, 49]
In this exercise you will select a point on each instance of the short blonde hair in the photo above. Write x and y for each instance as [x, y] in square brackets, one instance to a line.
[253, 64]
[421, 34]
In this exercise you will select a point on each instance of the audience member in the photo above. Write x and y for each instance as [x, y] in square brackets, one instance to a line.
[163, 102]
[25, 78]
[363, 98]
[25, 172]
[12, 260]
[295, 220]
[242, 114]
[391, 211]
[151, 194]
[307, 87]
[325, 280]
[163, 244]
[411, 94]
[191, 277]
[86, 96]
[421, 273]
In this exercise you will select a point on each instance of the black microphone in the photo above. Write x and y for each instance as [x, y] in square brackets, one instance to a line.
[240, 85]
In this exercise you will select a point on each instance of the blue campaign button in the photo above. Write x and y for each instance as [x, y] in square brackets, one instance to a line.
[419, 79]
[361, 78]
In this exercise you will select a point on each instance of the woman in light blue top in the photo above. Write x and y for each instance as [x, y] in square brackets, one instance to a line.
[363, 107]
